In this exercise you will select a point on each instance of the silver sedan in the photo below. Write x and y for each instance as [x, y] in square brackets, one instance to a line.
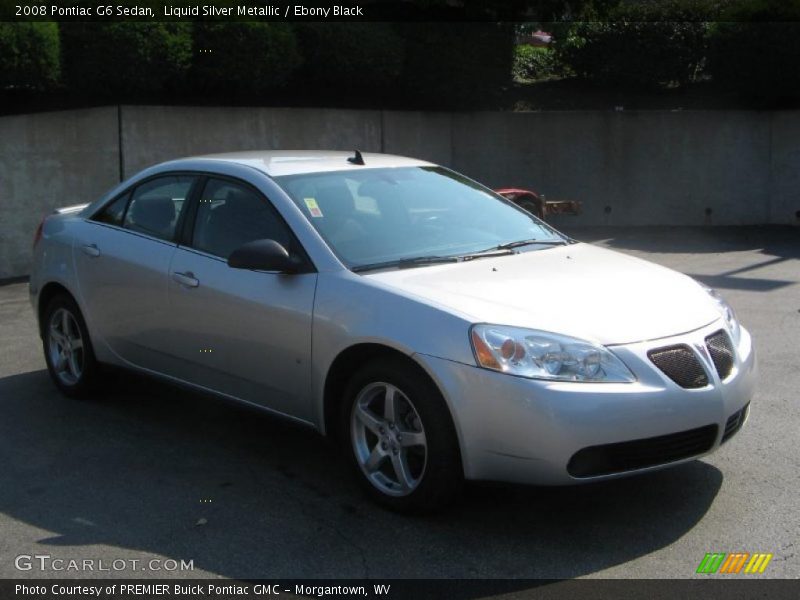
[439, 332]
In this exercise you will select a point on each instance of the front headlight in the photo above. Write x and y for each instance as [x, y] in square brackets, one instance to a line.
[545, 355]
[727, 313]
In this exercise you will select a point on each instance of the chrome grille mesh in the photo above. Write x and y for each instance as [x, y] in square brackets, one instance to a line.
[721, 351]
[681, 365]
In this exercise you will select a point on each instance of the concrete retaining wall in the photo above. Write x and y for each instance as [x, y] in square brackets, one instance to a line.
[49, 160]
[657, 168]
[629, 168]
[152, 135]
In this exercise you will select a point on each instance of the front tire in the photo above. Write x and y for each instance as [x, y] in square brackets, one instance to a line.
[67, 348]
[401, 440]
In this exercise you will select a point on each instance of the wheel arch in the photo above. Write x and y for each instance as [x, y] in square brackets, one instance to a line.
[49, 291]
[345, 365]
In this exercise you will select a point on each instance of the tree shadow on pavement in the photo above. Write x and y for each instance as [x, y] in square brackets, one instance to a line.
[160, 470]
[771, 240]
[777, 244]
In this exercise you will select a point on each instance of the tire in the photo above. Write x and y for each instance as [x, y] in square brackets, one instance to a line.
[410, 463]
[68, 349]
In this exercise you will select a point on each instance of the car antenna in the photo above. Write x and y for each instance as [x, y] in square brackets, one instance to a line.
[357, 159]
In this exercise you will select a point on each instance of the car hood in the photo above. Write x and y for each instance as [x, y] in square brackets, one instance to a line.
[578, 290]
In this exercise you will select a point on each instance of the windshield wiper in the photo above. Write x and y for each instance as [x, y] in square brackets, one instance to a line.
[488, 253]
[417, 261]
[518, 244]
[406, 263]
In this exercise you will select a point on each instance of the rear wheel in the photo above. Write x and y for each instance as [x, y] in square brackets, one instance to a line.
[67, 348]
[402, 442]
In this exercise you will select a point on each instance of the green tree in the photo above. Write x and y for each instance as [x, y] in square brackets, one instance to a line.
[456, 64]
[354, 58]
[131, 58]
[29, 55]
[755, 50]
[244, 58]
[635, 44]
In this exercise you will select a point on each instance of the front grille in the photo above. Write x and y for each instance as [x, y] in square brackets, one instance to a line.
[680, 364]
[639, 454]
[734, 423]
[721, 351]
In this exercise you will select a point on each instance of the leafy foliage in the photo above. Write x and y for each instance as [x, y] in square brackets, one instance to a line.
[362, 58]
[456, 64]
[29, 55]
[640, 44]
[125, 57]
[755, 51]
[244, 58]
[749, 50]
[534, 63]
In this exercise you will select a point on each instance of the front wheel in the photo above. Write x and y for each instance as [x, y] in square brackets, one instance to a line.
[67, 347]
[401, 437]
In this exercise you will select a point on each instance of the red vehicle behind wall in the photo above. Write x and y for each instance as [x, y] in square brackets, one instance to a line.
[538, 205]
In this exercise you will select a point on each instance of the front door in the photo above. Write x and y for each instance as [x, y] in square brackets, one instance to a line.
[244, 333]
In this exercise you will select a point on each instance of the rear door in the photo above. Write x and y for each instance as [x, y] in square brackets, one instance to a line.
[122, 256]
[243, 333]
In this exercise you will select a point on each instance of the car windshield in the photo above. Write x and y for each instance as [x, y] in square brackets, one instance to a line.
[374, 217]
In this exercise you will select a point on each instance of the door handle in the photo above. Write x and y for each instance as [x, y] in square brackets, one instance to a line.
[91, 250]
[188, 279]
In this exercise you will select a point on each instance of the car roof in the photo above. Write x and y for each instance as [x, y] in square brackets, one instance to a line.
[292, 162]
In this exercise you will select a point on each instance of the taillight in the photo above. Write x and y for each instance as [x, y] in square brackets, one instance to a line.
[38, 235]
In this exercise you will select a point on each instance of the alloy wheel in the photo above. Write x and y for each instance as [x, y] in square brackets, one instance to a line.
[388, 439]
[65, 345]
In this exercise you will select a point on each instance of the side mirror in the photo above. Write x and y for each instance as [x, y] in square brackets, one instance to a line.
[263, 255]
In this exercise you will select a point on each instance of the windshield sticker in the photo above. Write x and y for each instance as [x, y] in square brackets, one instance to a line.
[313, 207]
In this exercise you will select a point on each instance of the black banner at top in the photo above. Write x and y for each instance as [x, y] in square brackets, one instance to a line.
[369, 10]
[262, 10]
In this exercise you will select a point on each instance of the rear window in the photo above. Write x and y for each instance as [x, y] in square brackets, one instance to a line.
[113, 212]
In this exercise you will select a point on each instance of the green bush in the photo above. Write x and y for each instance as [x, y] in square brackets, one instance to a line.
[533, 63]
[244, 59]
[29, 55]
[644, 45]
[131, 58]
[351, 57]
[756, 51]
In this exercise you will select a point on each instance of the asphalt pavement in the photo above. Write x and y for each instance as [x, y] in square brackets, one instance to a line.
[150, 472]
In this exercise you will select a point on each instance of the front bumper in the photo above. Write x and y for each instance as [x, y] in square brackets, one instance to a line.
[523, 430]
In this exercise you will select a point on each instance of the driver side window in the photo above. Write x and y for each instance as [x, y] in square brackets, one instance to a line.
[230, 215]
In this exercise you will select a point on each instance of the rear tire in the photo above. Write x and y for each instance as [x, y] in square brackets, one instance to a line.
[400, 438]
[67, 348]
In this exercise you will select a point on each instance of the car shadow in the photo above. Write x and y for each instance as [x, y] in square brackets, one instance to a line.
[152, 468]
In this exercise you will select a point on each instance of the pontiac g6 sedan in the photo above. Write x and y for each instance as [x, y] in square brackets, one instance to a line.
[438, 331]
